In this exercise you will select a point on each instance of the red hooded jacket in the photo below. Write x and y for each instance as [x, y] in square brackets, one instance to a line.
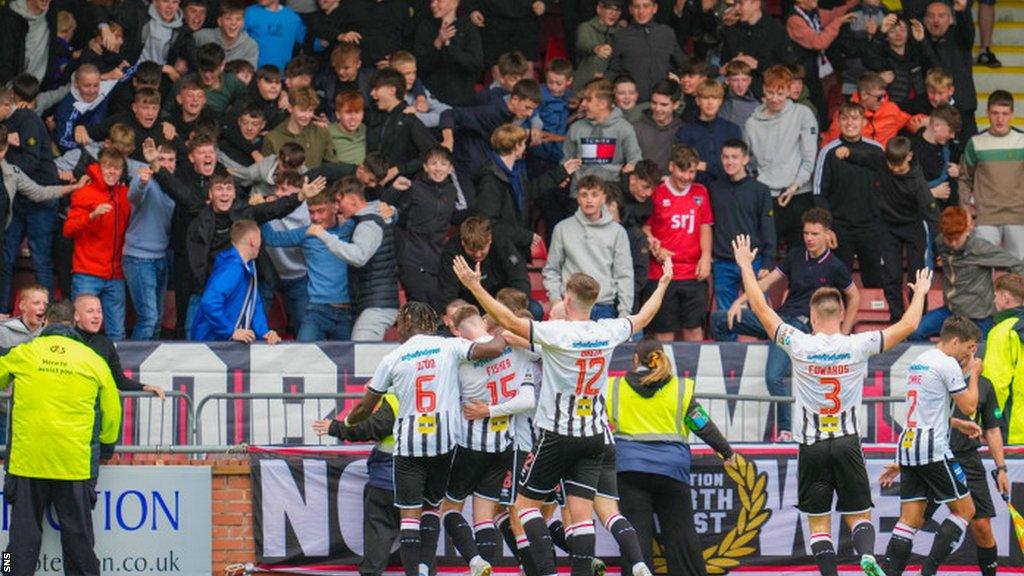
[99, 243]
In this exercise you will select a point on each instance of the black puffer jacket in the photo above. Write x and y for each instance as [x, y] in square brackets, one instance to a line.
[496, 199]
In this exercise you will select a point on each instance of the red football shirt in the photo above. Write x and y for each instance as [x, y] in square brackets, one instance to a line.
[675, 222]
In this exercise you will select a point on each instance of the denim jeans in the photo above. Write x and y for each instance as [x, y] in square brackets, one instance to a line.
[294, 296]
[147, 282]
[190, 313]
[778, 366]
[727, 281]
[600, 311]
[39, 222]
[326, 322]
[931, 325]
[111, 295]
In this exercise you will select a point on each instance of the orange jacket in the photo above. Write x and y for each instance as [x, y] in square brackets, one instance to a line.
[880, 126]
[99, 243]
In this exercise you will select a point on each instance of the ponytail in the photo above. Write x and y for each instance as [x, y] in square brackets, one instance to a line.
[652, 356]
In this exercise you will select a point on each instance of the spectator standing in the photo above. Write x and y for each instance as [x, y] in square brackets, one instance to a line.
[740, 102]
[165, 40]
[806, 268]
[968, 263]
[900, 54]
[783, 139]
[399, 137]
[348, 134]
[646, 49]
[276, 30]
[882, 118]
[508, 25]
[449, 53]
[813, 31]
[371, 256]
[230, 34]
[97, 221]
[505, 192]
[345, 74]
[242, 139]
[934, 150]
[951, 35]
[554, 112]
[427, 210]
[57, 441]
[680, 229]
[855, 40]
[146, 242]
[757, 40]
[657, 127]
[592, 243]
[991, 173]
[300, 128]
[740, 205]
[143, 119]
[32, 303]
[593, 46]
[500, 263]
[378, 26]
[231, 308]
[848, 190]
[89, 325]
[427, 107]
[328, 314]
[221, 89]
[708, 131]
[627, 98]
[86, 104]
[602, 139]
[29, 29]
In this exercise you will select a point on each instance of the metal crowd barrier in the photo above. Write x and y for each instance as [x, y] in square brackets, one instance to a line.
[278, 418]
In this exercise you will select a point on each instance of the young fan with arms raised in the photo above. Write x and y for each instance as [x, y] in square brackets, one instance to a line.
[571, 422]
[829, 368]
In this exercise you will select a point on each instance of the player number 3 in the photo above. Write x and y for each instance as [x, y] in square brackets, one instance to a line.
[833, 395]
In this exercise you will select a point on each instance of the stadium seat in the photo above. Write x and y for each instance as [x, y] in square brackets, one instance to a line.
[873, 307]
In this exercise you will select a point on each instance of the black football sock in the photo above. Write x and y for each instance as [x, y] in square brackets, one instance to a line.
[430, 532]
[864, 538]
[824, 554]
[409, 546]
[461, 534]
[583, 543]
[951, 535]
[626, 538]
[540, 541]
[988, 560]
[558, 535]
[487, 540]
[897, 553]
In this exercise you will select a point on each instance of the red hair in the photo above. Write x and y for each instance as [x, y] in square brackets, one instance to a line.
[954, 222]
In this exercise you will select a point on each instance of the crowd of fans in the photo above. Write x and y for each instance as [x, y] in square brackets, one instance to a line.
[338, 155]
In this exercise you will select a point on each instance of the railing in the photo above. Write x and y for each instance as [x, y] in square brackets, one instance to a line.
[267, 418]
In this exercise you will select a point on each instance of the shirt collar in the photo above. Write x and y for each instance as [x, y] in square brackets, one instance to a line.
[824, 255]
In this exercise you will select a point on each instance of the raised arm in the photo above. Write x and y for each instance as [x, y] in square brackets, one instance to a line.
[899, 331]
[758, 304]
[967, 401]
[505, 318]
[643, 317]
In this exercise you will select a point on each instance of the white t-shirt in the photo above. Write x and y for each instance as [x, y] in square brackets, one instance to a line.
[828, 380]
[424, 374]
[934, 378]
[576, 356]
[493, 382]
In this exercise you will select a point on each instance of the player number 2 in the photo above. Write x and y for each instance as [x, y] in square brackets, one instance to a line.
[912, 396]
[585, 386]
[502, 385]
[426, 400]
[833, 395]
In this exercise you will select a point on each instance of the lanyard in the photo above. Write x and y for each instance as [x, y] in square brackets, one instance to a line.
[814, 21]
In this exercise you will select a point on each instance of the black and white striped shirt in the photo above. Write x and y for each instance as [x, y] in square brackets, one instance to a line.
[493, 382]
[932, 381]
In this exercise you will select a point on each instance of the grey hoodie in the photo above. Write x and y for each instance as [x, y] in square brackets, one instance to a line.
[37, 42]
[599, 249]
[14, 332]
[605, 147]
[774, 138]
[244, 48]
[157, 36]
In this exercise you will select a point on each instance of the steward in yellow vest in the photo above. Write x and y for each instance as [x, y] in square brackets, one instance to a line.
[652, 413]
[1004, 355]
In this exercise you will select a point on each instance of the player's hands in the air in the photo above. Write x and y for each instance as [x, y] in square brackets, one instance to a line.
[470, 277]
[889, 474]
[742, 252]
[923, 283]
[476, 410]
[321, 426]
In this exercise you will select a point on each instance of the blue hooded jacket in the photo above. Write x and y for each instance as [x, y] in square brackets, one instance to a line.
[224, 298]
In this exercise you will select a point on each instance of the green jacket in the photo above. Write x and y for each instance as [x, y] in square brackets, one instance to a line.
[65, 404]
[590, 35]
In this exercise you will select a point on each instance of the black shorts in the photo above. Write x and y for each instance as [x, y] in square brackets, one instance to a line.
[940, 482]
[977, 485]
[685, 305]
[608, 483]
[501, 35]
[420, 480]
[833, 467]
[482, 474]
[574, 461]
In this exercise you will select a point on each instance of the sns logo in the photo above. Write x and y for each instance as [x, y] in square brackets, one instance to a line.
[684, 222]
[57, 349]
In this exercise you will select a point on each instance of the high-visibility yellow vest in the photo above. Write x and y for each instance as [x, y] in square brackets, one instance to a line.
[388, 444]
[657, 418]
[1004, 367]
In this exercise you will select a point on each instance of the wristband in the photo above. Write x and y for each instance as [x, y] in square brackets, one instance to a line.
[345, 421]
[1003, 468]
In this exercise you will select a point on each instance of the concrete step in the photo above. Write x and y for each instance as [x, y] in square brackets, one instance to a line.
[1009, 12]
[1008, 55]
[1005, 78]
[1007, 33]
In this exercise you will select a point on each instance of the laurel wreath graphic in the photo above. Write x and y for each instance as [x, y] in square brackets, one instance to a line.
[720, 558]
[751, 486]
